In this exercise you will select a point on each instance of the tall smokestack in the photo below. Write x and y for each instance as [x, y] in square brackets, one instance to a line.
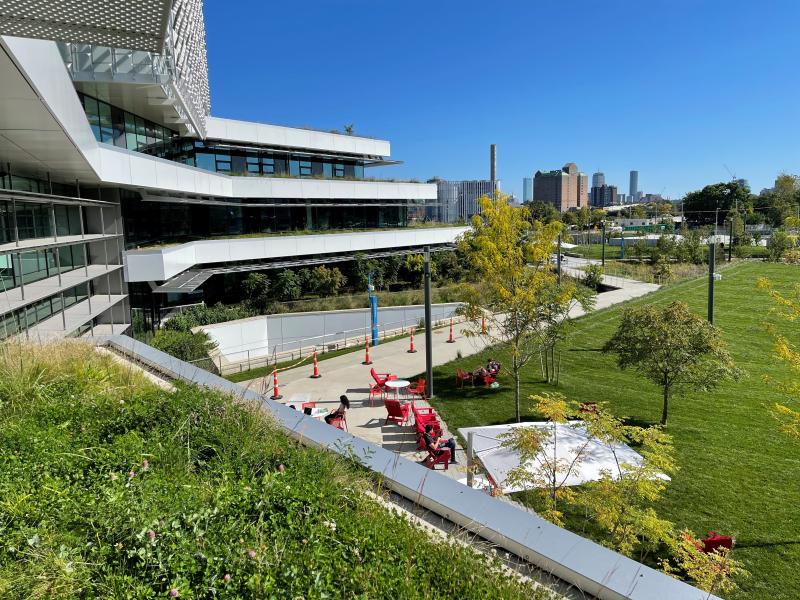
[493, 166]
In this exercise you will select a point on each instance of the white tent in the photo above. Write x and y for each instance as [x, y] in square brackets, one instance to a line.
[597, 457]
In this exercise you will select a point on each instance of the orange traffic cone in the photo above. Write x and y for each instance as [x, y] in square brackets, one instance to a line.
[411, 348]
[316, 374]
[367, 361]
[276, 395]
[450, 340]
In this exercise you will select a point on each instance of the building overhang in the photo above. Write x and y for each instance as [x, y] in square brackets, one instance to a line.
[134, 24]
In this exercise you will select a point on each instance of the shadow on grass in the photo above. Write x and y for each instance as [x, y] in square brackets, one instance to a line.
[763, 544]
[584, 350]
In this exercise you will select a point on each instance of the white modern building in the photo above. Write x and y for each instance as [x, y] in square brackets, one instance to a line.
[120, 189]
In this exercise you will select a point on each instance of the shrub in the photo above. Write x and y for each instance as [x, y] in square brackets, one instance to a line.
[201, 314]
[593, 277]
[184, 345]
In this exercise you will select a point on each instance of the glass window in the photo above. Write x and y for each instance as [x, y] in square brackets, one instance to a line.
[294, 167]
[106, 126]
[305, 168]
[267, 165]
[327, 169]
[338, 170]
[130, 131]
[92, 113]
[206, 161]
[359, 171]
[223, 163]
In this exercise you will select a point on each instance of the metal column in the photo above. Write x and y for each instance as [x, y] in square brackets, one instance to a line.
[428, 325]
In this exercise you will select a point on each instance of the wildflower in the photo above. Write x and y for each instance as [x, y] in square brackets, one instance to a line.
[113, 477]
[145, 465]
[131, 474]
[281, 468]
[173, 593]
[251, 554]
[151, 535]
[330, 525]
[227, 578]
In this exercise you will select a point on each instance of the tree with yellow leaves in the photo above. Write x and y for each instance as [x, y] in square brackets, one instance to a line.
[786, 307]
[518, 292]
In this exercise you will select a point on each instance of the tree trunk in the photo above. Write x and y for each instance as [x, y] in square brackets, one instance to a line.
[515, 368]
[666, 406]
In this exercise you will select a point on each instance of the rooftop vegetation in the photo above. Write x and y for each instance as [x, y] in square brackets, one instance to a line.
[112, 487]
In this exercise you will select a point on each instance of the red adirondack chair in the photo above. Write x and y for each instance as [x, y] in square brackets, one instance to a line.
[396, 412]
[438, 457]
[306, 405]
[340, 422]
[425, 414]
[419, 389]
[420, 430]
[715, 540]
[461, 377]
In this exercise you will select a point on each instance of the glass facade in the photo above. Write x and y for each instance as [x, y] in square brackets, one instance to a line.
[223, 158]
[35, 221]
[28, 267]
[21, 319]
[148, 223]
[112, 125]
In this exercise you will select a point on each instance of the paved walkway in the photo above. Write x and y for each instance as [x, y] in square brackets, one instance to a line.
[346, 375]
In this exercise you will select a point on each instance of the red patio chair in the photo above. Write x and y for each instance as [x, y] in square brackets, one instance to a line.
[375, 390]
[306, 405]
[340, 422]
[418, 390]
[396, 412]
[438, 457]
[461, 377]
[425, 414]
[420, 430]
[715, 541]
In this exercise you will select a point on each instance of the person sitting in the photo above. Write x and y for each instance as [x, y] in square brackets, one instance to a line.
[493, 367]
[344, 404]
[436, 444]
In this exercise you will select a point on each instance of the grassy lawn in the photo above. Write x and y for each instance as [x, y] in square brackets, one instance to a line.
[113, 488]
[738, 475]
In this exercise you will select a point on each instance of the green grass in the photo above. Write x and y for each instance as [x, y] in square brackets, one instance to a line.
[738, 475]
[113, 488]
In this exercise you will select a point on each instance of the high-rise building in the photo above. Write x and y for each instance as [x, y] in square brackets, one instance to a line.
[527, 189]
[598, 179]
[633, 188]
[565, 189]
[119, 189]
[604, 195]
[457, 201]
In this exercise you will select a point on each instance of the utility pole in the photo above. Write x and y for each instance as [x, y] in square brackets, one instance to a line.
[603, 254]
[730, 237]
[711, 264]
[428, 325]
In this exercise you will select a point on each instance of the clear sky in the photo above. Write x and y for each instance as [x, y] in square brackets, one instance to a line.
[674, 88]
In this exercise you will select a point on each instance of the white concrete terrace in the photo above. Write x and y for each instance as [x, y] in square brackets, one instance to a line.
[160, 264]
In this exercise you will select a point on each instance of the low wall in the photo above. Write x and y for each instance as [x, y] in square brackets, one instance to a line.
[258, 341]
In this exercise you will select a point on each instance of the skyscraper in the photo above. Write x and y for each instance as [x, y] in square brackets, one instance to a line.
[604, 195]
[527, 189]
[565, 189]
[598, 179]
[634, 186]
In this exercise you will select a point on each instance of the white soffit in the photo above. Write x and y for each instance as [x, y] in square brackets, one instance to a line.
[133, 24]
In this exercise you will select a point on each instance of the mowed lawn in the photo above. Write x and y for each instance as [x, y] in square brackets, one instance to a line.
[738, 475]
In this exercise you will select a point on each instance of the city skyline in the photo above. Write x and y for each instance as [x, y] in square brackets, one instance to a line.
[679, 122]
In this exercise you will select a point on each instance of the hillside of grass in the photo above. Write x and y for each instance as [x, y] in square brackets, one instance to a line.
[113, 488]
[738, 475]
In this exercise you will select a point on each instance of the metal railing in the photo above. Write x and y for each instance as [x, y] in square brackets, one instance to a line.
[296, 349]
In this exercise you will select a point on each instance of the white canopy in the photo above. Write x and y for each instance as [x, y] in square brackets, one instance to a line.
[597, 457]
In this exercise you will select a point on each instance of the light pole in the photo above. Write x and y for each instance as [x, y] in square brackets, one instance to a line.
[712, 250]
[603, 254]
[428, 325]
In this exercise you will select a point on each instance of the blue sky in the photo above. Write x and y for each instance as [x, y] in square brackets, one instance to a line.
[674, 88]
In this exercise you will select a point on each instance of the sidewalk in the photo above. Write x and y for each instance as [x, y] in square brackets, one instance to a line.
[346, 375]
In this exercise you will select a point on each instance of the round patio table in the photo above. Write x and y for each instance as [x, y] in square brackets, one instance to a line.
[396, 385]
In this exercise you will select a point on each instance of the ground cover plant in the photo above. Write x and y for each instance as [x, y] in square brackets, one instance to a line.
[737, 473]
[113, 488]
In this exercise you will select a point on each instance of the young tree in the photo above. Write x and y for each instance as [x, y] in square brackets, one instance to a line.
[511, 255]
[639, 248]
[540, 468]
[287, 285]
[713, 572]
[326, 281]
[673, 348]
[256, 291]
[621, 502]
[779, 242]
[787, 307]
[593, 277]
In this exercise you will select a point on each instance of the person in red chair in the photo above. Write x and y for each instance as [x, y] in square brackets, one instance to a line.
[436, 443]
[344, 404]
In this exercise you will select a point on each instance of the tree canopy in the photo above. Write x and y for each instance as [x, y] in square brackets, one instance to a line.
[672, 347]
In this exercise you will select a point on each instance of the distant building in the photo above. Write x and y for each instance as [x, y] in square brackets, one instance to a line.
[603, 195]
[565, 189]
[527, 189]
[621, 199]
[633, 188]
[598, 179]
[458, 200]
